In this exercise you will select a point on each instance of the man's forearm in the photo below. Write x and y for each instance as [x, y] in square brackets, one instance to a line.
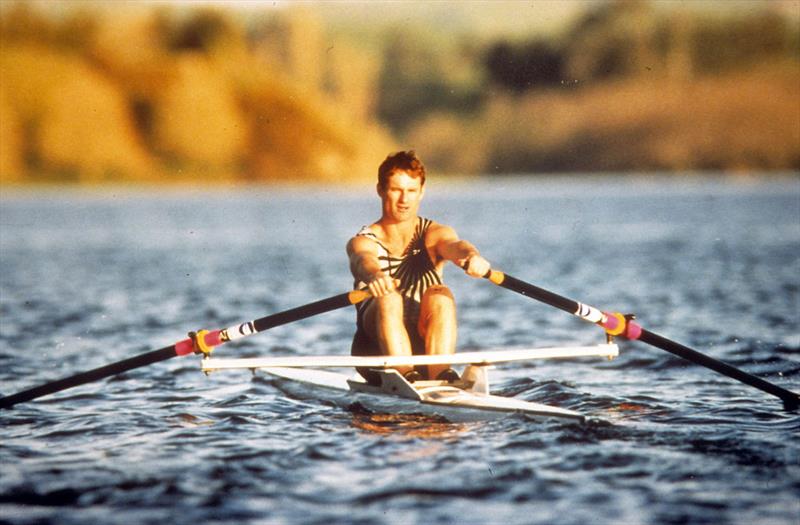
[459, 251]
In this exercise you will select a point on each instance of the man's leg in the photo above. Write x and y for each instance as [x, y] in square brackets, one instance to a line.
[383, 321]
[437, 324]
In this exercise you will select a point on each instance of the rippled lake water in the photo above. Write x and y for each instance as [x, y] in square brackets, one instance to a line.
[91, 278]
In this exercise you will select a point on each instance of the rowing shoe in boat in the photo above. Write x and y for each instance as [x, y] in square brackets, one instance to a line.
[467, 399]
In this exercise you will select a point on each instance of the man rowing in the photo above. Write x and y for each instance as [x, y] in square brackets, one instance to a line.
[400, 258]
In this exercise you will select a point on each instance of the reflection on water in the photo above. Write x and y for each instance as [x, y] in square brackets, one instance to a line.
[409, 425]
[190, 421]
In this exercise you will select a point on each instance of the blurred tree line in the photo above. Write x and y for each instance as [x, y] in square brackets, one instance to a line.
[199, 94]
[178, 94]
[632, 85]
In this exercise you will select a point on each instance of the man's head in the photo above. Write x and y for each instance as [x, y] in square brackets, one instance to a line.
[406, 161]
[400, 185]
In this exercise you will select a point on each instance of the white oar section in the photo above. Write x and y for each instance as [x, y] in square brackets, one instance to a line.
[484, 357]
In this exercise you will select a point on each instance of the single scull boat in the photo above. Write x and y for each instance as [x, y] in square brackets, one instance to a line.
[463, 400]
[204, 341]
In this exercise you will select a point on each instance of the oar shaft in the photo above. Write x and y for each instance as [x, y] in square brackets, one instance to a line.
[87, 377]
[534, 292]
[584, 311]
[632, 330]
[296, 314]
[789, 398]
[203, 340]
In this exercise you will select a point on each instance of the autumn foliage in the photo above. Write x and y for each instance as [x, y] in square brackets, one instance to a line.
[200, 95]
[173, 96]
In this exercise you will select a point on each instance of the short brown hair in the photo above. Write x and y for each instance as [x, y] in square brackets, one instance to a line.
[401, 161]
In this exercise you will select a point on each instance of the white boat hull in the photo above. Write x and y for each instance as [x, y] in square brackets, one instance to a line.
[457, 403]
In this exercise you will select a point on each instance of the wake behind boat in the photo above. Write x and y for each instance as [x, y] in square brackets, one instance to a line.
[467, 399]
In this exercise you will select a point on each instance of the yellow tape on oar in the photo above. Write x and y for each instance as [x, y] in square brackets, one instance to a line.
[496, 277]
[356, 296]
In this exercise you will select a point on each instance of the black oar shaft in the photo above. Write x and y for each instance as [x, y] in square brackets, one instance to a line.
[88, 376]
[540, 294]
[790, 399]
[187, 346]
[305, 311]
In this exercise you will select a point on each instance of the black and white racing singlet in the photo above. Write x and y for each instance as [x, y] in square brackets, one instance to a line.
[414, 268]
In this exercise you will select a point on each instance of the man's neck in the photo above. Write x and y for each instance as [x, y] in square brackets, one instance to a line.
[398, 230]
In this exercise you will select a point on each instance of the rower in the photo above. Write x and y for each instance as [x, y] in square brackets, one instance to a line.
[400, 259]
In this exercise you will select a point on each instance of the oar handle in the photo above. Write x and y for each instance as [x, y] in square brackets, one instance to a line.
[618, 324]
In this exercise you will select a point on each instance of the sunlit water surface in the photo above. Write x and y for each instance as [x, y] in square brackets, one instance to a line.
[88, 279]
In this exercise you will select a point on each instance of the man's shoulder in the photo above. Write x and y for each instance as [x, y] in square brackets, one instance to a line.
[364, 237]
[429, 224]
[359, 243]
[437, 230]
[371, 231]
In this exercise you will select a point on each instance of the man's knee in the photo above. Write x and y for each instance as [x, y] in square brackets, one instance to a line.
[438, 308]
[390, 305]
[438, 298]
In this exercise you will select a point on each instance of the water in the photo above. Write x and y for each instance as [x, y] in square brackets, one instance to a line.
[89, 279]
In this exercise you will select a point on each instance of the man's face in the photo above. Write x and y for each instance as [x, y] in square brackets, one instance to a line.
[401, 196]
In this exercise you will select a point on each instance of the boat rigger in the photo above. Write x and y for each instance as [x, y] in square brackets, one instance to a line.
[467, 399]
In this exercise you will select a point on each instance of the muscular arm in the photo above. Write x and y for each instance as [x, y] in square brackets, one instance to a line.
[365, 267]
[449, 247]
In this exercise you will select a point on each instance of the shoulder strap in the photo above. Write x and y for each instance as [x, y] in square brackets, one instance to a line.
[366, 232]
[369, 234]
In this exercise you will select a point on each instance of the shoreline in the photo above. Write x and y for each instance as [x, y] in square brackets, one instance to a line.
[606, 183]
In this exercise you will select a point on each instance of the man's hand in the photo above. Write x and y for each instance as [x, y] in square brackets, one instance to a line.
[382, 284]
[476, 266]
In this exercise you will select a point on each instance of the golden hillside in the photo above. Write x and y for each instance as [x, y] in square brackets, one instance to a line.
[175, 94]
[176, 97]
